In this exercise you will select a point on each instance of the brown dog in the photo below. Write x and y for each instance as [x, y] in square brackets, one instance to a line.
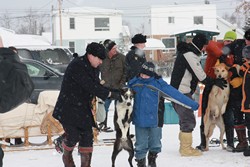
[216, 107]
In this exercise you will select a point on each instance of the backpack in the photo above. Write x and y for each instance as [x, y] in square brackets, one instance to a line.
[16, 85]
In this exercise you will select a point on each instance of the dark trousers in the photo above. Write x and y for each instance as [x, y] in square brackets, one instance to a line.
[73, 135]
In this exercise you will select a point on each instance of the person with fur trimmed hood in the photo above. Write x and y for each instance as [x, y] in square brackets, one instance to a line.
[187, 72]
[149, 87]
[73, 108]
[136, 56]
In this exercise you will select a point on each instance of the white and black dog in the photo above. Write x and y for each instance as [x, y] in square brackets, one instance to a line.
[122, 120]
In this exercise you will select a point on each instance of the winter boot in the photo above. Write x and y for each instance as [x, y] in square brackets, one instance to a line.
[151, 159]
[186, 148]
[86, 155]
[230, 138]
[67, 156]
[103, 125]
[18, 141]
[202, 146]
[141, 162]
[241, 133]
[247, 151]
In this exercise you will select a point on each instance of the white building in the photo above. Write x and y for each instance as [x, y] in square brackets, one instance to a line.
[82, 25]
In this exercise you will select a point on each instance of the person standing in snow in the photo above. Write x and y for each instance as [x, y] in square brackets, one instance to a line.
[214, 53]
[187, 72]
[113, 75]
[235, 97]
[16, 85]
[74, 105]
[149, 87]
[136, 56]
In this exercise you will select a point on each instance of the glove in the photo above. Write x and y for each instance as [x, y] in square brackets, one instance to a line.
[236, 82]
[116, 95]
[220, 82]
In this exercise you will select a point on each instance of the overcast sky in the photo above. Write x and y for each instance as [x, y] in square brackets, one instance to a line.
[20, 7]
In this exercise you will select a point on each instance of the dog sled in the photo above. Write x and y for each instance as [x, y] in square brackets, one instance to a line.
[31, 120]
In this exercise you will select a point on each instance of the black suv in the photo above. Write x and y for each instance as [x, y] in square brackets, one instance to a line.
[53, 56]
[43, 77]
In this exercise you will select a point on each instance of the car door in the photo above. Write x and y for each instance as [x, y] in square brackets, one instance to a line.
[43, 78]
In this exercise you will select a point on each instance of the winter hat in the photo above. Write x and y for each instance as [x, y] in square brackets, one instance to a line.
[230, 36]
[109, 44]
[247, 35]
[246, 52]
[96, 50]
[148, 68]
[139, 38]
[199, 40]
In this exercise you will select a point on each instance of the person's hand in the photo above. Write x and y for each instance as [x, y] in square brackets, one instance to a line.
[116, 95]
[220, 82]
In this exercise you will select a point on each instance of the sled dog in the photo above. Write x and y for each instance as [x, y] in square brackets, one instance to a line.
[122, 120]
[217, 102]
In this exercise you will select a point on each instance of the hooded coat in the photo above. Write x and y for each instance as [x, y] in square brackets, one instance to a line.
[80, 85]
[147, 96]
[188, 70]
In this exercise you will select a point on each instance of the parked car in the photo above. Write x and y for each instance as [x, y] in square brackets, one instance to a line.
[53, 56]
[43, 76]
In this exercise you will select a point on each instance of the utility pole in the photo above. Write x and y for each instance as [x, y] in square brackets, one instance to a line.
[60, 20]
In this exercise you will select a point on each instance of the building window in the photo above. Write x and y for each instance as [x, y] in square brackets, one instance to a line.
[169, 42]
[198, 19]
[72, 47]
[101, 24]
[170, 19]
[71, 23]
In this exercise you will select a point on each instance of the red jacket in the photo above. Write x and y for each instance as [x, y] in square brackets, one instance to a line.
[214, 51]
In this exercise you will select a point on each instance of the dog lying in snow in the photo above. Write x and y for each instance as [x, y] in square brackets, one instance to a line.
[122, 120]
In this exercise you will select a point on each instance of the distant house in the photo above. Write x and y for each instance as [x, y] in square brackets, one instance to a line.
[82, 25]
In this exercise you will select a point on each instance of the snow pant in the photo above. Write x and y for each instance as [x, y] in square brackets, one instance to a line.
[187, 120]
[74, 135]
[147, 140]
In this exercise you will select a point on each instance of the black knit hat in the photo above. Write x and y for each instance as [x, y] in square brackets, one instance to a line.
[109, 44]
[200, 40]
[96, 50]
[148, 68]
[247, 35]
[139, 38]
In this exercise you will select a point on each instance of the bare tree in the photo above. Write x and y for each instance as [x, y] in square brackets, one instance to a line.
[243, 9]
[6, 20]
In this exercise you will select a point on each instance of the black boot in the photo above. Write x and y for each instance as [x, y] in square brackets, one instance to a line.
[151, 159]
[247, 151]
[103, 125]
[230, 138]
[141, 162]
[241, 133]
[202, 146]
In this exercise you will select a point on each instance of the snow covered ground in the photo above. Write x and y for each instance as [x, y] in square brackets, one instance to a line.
[216, 157]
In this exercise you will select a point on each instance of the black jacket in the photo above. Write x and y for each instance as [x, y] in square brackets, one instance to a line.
[134, 60]
[79, 86]
[187, 69]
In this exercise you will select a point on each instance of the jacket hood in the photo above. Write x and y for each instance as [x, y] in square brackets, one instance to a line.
[184, 47]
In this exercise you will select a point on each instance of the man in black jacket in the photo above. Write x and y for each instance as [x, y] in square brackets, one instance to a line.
[136, 56]
[74, 105]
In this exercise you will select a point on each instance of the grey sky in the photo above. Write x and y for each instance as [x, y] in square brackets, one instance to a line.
[20, 7]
